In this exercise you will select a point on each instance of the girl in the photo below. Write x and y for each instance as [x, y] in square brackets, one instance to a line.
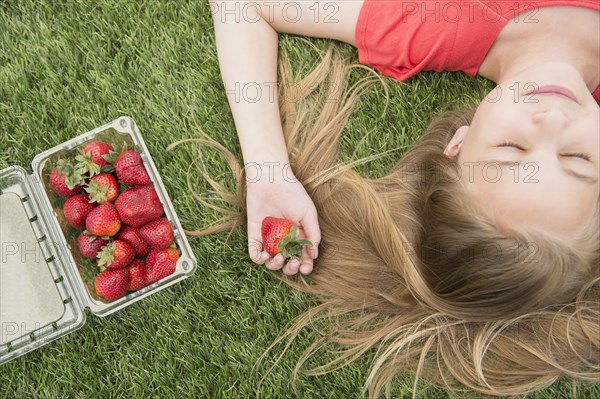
[485, 279]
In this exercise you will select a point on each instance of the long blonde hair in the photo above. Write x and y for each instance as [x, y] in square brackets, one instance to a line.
[412, 272]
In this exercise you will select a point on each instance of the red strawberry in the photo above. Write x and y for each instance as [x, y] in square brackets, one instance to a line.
[132, 236]
[62, 181]
[116, 255]
[103, 221]
[112, 284]
[139, 205]
[103, 188]
[160, 263]
[159, 234]
[76, 210]
[136, 275]
[96, 150]
[90, 245]
[280, 235]
[130, 169]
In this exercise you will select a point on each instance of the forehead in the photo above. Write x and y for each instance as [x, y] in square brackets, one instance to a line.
[555, 204]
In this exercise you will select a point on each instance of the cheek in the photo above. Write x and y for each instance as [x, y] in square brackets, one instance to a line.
[586, 134]
[500, 114]
[495, 95]
[594, 137]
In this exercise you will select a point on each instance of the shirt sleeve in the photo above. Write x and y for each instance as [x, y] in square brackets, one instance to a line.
[402, 38]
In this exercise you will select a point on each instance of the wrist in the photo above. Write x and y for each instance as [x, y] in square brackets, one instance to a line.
[259, 174]
[265, 154]
[263, 144]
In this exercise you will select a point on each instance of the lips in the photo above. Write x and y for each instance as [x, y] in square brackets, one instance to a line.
[554, 90]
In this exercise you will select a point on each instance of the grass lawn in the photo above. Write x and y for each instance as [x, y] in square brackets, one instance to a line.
[69, 66]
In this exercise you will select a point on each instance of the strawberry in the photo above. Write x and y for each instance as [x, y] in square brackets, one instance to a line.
[136, 275]
[112, 284]
[130, 169]
[103, 221]
[159, 234]
[160, 263]
[115, 255]
[76, 209]
[96, 151]
[63, 179]
[280, 236]
[132, 236]
[139, 205]
[90, 245]
[103, 188]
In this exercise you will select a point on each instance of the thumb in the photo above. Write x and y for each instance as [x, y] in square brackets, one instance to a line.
[255, 246]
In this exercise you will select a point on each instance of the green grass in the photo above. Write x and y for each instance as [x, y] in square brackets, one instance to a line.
[69, 66]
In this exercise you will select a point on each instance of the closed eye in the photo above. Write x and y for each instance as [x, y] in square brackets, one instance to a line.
[581, 155]
[510, 144]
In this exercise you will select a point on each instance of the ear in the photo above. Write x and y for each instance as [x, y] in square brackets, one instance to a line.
[455, 144]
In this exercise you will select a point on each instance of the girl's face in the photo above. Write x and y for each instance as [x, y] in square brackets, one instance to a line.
[531, 153]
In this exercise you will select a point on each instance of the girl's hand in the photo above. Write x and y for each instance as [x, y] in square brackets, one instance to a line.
[283, 198]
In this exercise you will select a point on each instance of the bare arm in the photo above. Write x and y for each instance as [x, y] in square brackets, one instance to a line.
[247, 49]
[247, 41]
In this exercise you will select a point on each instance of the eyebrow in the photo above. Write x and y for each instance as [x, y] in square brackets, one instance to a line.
[570, 172]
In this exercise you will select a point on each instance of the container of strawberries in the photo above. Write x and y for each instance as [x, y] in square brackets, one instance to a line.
[92, 227]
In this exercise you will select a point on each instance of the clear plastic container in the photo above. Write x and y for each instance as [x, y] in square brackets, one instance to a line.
[43, 288]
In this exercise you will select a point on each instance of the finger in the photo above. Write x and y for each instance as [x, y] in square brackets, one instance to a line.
[275, 263]
[306, 266]
[291, 267]
[310, 225]
[256, 253]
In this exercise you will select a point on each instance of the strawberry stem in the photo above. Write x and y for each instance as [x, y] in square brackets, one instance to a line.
[290, 246]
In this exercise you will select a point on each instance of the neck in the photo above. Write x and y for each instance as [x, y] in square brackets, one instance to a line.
[512, 65]
[561, 35]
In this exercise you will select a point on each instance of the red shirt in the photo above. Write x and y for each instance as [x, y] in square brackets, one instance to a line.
[402, 38]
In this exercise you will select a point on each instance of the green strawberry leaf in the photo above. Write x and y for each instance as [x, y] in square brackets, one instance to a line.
[290, 246]
[107, 168]
[111, 157]
[74, 179]
[85, 165]
[97, 192]
[65, 166]
[106, 255]
[123, 186]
